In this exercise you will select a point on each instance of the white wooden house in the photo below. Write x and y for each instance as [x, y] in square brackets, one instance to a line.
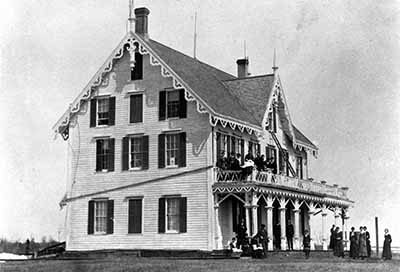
[145, 134]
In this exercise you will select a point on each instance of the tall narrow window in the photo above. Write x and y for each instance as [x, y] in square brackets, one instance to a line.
[105, 155]
[135, 215]
[299, 167]
[270, 152]
[137, 70]
[103, 111]
[100, 217]
[172, 149]
[136, 108]
[136, 153]
[172, 104]
[283, 159]
[172, 213]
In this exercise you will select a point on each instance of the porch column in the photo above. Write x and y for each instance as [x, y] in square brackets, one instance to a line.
[247, 207]
[336, 212]
[324, 213]
[344, 228]
[218, 232]
[311, 211]
[296, 210]
[254, 213]
[270, 228]
[282, 211]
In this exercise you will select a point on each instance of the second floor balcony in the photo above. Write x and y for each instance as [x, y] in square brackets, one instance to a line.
[226, 177]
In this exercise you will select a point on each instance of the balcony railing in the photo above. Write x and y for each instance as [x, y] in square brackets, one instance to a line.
[267, 177]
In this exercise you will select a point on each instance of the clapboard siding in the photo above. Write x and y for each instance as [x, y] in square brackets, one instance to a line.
[196, 186]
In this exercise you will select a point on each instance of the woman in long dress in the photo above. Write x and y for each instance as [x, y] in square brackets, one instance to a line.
[387, 251]
[362, 253]
[353, 244]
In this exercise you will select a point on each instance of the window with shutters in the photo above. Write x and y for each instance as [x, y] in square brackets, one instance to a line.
[137, 70]
[100, 217]
[136, 153]
[172, 214]
[103, 154]
[283, 159]
[299, 167]
[173, 104]
[103, 114]
[171, 149]
[135, 215]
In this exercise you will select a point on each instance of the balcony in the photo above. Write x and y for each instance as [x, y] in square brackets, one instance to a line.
[268, 178]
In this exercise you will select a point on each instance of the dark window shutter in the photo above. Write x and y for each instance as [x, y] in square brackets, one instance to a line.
[135, 216]
[98, 158]
[145, 152]
[136, 108]
[93, 112]
[111, 155]
[218, 136]
[182, 149]
[182, 214]
[162, 105]
[110, 216]
[111, 111]
[242, 150]
[125, 153]
[90, 229]
[161, 215]
[161, 151]
[182, 104]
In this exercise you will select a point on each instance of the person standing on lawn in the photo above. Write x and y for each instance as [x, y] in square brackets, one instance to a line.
[353, 244]
[289, 235]
[368, 241]
[241, 233]
[387, 251]
[306, 244]
[263, 238]
[363, 244]
[332, 239]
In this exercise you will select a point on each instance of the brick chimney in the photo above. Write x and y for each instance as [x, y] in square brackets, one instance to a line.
[242, 67]
[141, 25]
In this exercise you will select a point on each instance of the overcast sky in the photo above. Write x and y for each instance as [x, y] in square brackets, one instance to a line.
[338, 62]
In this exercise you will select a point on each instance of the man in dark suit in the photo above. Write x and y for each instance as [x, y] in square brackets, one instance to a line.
[290, 234]
[277, 235]
[263, 238]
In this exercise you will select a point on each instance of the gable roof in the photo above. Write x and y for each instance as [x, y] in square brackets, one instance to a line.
[206, 81]
[300, 137]
[253, 93]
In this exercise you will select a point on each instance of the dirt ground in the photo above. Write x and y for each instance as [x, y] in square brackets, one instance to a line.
[162, 264]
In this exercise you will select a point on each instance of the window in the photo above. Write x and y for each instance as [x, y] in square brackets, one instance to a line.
[299, 167]
[102, 111]
[137, 70]
[172, 214]
[105, 155]
[270, 151]
[172, 104]
[171, 148]
[136, 108]
[254, 148]
[135, 215]
[100, 217]
[135, 152]
[272, 119]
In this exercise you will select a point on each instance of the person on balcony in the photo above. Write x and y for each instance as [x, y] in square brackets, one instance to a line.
[271, 164]
[222, 162]
[258, 161]
[289, 235]
[249, 156]
[247, 169]
[232, 161]
[387, 251]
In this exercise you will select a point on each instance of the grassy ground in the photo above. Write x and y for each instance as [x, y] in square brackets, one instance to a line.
[160, 264]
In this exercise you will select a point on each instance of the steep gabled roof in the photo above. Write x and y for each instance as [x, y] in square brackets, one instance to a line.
[302, 139]
[206, 81]
[253, 93]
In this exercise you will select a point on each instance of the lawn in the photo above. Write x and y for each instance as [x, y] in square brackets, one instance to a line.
[176, 265]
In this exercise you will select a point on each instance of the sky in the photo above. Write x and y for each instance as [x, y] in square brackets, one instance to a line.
[338, 62]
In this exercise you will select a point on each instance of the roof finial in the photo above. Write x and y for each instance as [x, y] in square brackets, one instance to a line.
[195, 34]
[131, 19]
[274, 67]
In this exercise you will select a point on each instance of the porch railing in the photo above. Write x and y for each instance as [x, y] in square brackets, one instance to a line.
[230, 176]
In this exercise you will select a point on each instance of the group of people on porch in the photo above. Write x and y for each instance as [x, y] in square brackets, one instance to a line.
[233, 161]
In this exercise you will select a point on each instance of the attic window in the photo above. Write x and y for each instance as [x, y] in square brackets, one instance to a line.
[137, 70]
